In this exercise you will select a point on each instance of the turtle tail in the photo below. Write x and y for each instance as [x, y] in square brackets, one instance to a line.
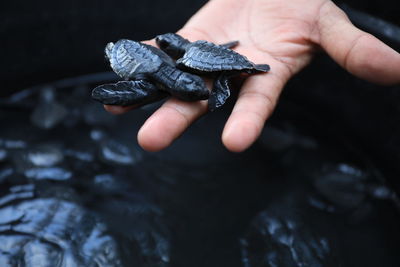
[262, 67]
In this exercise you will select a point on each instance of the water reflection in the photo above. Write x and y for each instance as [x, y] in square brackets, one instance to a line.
[78, 191]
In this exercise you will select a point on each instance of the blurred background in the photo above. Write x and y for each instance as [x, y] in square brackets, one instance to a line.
[71, 35]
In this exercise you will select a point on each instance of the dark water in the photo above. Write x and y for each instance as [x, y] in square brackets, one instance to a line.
[78, 191]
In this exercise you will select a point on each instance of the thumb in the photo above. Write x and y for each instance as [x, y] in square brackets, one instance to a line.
[360, 53]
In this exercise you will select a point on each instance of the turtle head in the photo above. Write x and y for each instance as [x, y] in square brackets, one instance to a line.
[172, 44]
[108, 50]
[191, 87]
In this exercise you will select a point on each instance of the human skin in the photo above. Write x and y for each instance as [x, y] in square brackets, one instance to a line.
[283, 34]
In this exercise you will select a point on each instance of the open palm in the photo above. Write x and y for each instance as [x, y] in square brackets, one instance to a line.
[283, 34]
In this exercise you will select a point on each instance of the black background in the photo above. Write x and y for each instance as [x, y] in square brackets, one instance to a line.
[46, 40]
[43, 41]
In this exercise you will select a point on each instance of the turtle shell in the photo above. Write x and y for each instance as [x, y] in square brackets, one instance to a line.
[129, 58]
[208, 57]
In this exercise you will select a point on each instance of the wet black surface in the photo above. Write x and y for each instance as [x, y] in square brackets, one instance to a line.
[193, 204]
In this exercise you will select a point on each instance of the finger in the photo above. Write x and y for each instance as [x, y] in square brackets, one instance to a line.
[168, 123]
[357, 51]
[256, 102]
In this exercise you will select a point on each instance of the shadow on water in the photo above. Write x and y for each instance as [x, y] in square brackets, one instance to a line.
[78, 191]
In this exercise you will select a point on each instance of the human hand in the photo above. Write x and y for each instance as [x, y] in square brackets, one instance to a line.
[283, 34]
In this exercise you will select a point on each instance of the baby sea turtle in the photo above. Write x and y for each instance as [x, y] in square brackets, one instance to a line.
[207, 58]
[148, 66]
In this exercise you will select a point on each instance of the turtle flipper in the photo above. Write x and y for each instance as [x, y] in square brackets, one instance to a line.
[262, 67]
[257, 68]
[230, 44]
[220, 92]
[126, 93]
